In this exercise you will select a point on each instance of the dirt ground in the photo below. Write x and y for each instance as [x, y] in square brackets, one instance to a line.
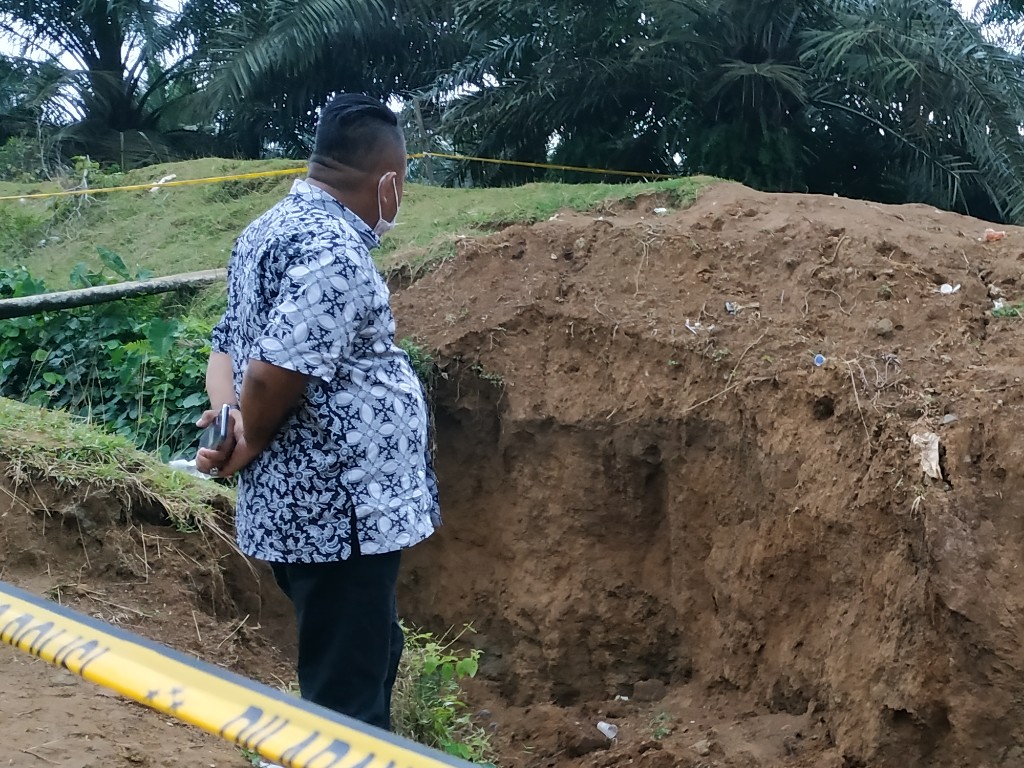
[661, 514]
[190, 591]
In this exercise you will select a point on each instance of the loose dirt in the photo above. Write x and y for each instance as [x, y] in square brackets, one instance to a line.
[661, 513]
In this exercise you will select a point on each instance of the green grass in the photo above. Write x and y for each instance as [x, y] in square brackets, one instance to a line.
[191, 228]
[55, 447]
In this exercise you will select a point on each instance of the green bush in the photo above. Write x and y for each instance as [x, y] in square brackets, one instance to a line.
[21, 229]
[128, 365]
[20, 160]
[428, 705]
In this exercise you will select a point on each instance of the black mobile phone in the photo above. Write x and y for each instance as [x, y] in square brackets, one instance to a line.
[213, 436]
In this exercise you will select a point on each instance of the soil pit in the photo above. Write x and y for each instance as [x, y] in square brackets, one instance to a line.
[647, 475]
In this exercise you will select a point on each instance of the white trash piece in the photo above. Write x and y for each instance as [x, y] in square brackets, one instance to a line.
[927, 445]
[946, 289]
[188, 466]
[610, 731]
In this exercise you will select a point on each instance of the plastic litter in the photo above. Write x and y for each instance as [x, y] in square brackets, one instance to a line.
[610, 731]
[697, 327]
[946, 289]
[927, 445]
[992, 236]
[188, 466]
[620, 697]
[661, 211]
[819, 360]
[156, 187]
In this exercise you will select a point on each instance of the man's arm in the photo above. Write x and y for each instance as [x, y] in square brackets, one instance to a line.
[220, 387]
[220, 384]
[269, 395]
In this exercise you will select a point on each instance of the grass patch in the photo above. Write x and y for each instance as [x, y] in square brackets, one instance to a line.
[174, 230]
[191, 228]
[67, 452]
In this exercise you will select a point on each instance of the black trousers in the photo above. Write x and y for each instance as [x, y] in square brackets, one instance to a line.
[350, 641]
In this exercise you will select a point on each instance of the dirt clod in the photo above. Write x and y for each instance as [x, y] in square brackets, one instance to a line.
[703, 747]
[650, 690]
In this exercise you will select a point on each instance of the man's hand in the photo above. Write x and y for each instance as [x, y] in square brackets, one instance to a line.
[212, 462]
[241, 457]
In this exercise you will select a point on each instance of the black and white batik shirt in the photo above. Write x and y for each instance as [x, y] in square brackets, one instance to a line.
[304, 294]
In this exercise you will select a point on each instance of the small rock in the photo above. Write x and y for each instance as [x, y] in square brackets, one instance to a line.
[650, 690]
[949, 418]
[703, 747]
[884, 328]
[995, 292]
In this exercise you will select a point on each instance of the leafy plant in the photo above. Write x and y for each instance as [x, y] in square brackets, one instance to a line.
[428, 704]
[661, 726]
[126, 364]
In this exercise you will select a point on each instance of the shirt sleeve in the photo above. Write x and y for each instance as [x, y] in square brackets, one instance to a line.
[316, 318]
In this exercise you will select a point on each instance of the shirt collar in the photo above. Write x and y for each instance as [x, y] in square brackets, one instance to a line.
[318, 198]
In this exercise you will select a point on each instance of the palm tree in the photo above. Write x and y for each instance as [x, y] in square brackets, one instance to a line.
[589, 83]
[270, 65]
[117, 89]
[890, 99]
[937, 105]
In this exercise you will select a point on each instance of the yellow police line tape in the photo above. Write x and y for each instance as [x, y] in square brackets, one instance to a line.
[550, 166]
[278, 727]
[153, 185]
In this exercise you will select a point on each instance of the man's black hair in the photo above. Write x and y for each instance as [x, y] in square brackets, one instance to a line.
[354, 130]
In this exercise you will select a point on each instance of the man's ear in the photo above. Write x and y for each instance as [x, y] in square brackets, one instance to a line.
[389, 187]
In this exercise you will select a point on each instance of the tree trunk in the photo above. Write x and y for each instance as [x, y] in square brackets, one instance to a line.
[46, 302]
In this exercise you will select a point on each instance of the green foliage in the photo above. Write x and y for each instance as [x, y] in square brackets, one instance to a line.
[128, 365]
[893, 100]
[19, 160]
[428, 704]
[422, 362]
[21, 229]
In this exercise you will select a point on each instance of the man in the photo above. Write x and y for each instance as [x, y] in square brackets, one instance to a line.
[329, 421]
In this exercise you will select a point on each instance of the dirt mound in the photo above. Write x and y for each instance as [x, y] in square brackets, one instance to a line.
[99, 553]
[647, 477]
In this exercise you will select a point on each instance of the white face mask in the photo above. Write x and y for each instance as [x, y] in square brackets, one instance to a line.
[383, 225]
